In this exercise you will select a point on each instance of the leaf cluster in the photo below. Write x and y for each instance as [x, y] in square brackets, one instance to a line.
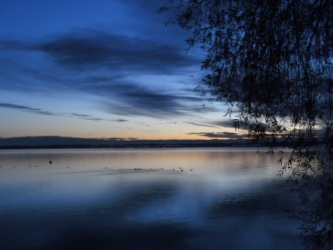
[272, 61]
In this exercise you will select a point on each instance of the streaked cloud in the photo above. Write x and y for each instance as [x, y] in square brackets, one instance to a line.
[28, 109]
[201, 125]
[84, 49]
[120, 120]
[219, 135]
[119, 64]
[90, 51]
[43, 112]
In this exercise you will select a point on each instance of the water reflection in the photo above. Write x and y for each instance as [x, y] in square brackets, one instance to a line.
[231, 200]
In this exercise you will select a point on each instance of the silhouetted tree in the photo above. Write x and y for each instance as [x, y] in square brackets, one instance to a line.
[272, 62]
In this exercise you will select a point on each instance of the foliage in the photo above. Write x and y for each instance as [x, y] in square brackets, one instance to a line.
[272, 61]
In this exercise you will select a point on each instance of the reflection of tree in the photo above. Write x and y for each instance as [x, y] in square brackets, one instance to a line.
[272, 61]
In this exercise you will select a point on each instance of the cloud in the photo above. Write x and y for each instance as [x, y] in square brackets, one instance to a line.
[28, 109]
[12, 45]
[14, 106]
[106, 61]
[42, 112]
[223, 123]
[229, 123]
[126, 97]
[138, 100]
[200, 124]
[91, 118]
[80, 115]
[87, 48]
[86, 117]
[219, 135]
[120, 120]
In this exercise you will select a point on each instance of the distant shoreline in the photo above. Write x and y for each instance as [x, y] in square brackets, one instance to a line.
[56, 142]
[200, 145]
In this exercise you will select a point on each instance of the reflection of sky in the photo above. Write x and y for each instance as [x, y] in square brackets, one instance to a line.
[97, 196]
[100, 69]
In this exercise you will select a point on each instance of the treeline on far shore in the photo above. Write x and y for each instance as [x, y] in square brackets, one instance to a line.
[149, 145]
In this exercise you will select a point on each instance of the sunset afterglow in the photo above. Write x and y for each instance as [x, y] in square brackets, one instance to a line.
[101, 69]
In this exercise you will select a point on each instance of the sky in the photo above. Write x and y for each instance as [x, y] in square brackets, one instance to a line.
[101, 69]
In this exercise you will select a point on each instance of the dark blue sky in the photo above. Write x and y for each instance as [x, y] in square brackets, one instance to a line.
[102, 68]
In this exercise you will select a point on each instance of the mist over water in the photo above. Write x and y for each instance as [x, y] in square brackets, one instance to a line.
[144, 199]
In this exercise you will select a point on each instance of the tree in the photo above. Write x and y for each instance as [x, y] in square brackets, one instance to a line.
[272, 62]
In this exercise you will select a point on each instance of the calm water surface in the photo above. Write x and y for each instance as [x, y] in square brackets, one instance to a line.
[144, 199]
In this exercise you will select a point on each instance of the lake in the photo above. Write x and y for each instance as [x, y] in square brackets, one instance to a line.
[208, 198]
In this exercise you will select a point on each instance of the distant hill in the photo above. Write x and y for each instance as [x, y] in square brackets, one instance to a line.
[52, 140]
[71, 142]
